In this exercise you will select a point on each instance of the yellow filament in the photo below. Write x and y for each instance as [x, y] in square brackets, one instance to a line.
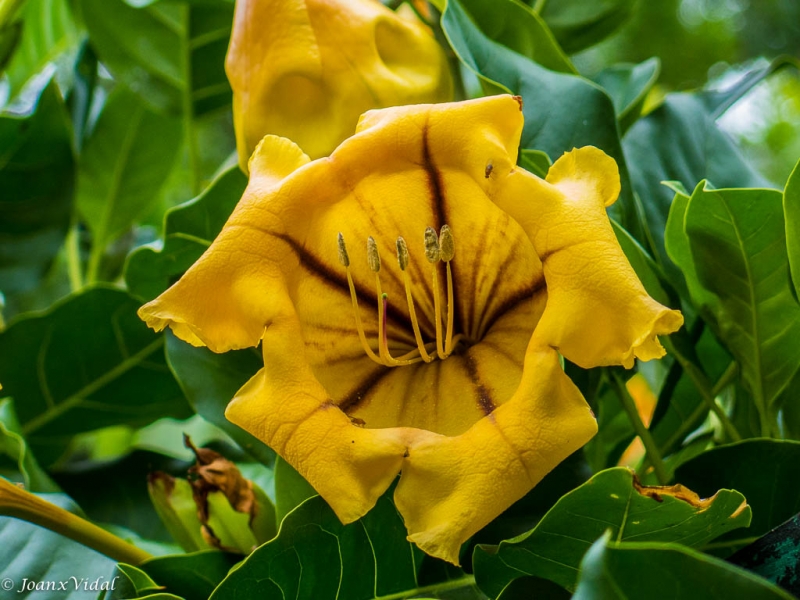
[437, 309]
[361, 335]
[414, 323]
[448, 342]
[383, 342]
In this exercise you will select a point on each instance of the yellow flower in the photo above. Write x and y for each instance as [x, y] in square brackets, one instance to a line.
[425, 208]
[307, 69]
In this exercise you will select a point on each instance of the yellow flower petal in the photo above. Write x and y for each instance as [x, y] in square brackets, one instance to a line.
[598, 312]
[306, 69]
[453, 486]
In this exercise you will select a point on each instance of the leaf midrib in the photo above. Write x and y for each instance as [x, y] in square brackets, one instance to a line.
[75, 399]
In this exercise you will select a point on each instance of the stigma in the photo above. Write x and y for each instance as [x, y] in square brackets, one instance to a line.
[438, 248]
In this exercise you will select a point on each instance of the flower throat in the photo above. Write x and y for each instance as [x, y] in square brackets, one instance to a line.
[437, 248]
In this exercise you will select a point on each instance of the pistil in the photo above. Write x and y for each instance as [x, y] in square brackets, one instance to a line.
[447, 251]
[437, 248]
[433, 254]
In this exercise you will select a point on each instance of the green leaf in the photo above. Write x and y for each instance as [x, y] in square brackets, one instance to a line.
[210, 381]
[291, 489]
[763, 470]
[50, 37]
[315, 557]
[609, 500]
[37, 173]
[680, 141]
[23, 546]
[122, 167]
[613, 571]
[520, 29]
[738, 246]
[578, 25]
[171, 54]
[189, 230]
[791, 212]
[628, 86]
[191, 576]
[562, 111]
[535, 161]
[526, 588]
[87, 363]
[132, 583]
[13, 445]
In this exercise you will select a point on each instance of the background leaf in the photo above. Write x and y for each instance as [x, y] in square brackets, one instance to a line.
[628, 86]
[791, 212]
[22, 546]
[667, 571]
[189, 230]
[62, 384]
[37, 178]
[191, 576]
[578, 25]
[763, 470]
[124, 164]
[210, 381]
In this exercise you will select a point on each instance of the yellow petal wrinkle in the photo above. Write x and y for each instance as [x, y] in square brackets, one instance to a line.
[463, 394]
[307, 69]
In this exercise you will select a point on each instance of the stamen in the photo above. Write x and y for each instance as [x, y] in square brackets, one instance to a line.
[384, 339]
[402, 260]
[448, 251]
[345, 260]
[433, 254]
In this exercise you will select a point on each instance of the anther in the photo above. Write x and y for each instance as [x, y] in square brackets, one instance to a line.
[446, 247]
[344, 259]
[431, 245]
[402, 253]
[373, 258]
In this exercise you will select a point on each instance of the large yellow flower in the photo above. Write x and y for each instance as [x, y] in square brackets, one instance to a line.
[307, 69]
[469, 276]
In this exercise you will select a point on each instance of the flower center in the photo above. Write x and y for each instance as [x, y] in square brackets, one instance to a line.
[438, 248]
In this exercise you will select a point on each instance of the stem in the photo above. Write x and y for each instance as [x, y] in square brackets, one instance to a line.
[453, 584]
[643, 432]
[74, 260]
[16, 502]
[704, 387]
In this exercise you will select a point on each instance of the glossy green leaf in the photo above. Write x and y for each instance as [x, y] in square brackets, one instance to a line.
[132, 582]
[291, 489]
[628, 86]
[578, 25]
[763, 470]
[172, 54]
[191, 576]
[189, 230]
[528, 587]
[680, 141]
[210, 381]
[87, 363]
[609, 500]
[791, 212]
[37, 179]
[22, 546]
[612, 571]
[535, 161]
[738, 247]
[562, 111]
[49, 37]
[315, 557]
[520, 29]
[122, 168]
[14, 446]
